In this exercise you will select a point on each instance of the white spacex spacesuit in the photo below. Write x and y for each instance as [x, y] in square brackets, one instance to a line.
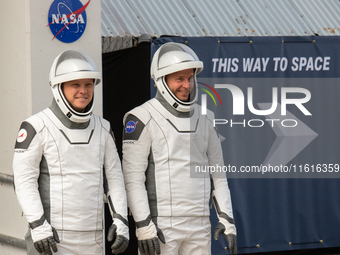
[60, 162]
[164, 139]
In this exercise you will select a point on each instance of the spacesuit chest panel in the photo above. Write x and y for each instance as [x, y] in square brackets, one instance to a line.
[75, 159]
[180, 124]
[74, 136]
[179, 144]
[185, 137]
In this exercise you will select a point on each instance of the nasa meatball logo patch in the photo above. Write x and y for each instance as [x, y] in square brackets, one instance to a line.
[22, 135]
[131, 126]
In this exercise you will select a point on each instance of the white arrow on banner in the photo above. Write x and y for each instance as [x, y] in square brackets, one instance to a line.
[290, 141]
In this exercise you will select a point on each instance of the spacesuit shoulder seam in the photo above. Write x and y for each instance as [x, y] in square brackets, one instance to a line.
[104, 122]
[210, 114]
[140, 112]
[37, 122]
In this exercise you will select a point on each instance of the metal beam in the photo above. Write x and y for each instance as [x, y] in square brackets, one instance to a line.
[6, 178]
[14, 241]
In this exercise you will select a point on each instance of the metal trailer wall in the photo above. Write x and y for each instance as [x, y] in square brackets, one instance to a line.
[26, 54]
[124, 20]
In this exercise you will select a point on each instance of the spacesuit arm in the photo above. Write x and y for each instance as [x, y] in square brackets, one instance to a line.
[27, 157]
[220, 193]
[116, 195]
[221, 199]
[26, 161]
[136, 150]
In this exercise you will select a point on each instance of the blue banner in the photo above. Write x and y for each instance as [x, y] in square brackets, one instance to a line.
[276, 107]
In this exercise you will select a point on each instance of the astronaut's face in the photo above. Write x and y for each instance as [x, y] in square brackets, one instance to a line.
[78, 93]
[181, 83]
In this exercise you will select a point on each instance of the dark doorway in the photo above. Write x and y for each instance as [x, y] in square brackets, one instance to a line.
[126, 84]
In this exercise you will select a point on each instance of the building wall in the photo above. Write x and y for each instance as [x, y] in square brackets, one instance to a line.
[26, 55]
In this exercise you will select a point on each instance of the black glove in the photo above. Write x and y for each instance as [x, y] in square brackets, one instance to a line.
[120, 242]
[151, 246]
[45, 245]
[231, 238]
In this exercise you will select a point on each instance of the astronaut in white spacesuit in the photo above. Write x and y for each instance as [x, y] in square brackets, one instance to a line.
[164, 139]
[63, 157]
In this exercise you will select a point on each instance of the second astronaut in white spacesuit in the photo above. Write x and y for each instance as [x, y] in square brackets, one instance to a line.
[62, 156]
[163, 140]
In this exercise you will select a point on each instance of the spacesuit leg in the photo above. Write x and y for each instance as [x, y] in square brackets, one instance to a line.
[198, 240]
[185, 235]
[171, 247]
[173, 236]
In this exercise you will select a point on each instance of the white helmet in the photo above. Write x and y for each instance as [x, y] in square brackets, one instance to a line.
[68, 66]
[170, 58]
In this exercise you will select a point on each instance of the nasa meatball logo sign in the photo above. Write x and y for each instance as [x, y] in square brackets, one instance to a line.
[67, 20]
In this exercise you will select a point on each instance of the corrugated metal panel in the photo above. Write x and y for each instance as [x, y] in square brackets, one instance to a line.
[118, 19]
[119, 25]
[110, 43]
[221, 18]
[169, 17]
[122, 20]
[275, 18]
[322, 16]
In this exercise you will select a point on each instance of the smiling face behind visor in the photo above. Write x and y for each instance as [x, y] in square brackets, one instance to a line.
[181, 83]
[71, 65]
[172, 59]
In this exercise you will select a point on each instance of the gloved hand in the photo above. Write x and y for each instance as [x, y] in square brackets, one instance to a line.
[119, 233]
[229, 232]
[148, 236]
[44, 238]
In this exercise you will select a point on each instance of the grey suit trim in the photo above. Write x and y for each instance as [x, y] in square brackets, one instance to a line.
[66, 121]
[151, 187]
[173, 111]
[30, 135]
[44, 188]
[136, 132]
[115, 214]
[222, 214]
[143, 223]
[87, 142]
[225, 216]
[37, 223]
[219, 212]
[120, 217]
